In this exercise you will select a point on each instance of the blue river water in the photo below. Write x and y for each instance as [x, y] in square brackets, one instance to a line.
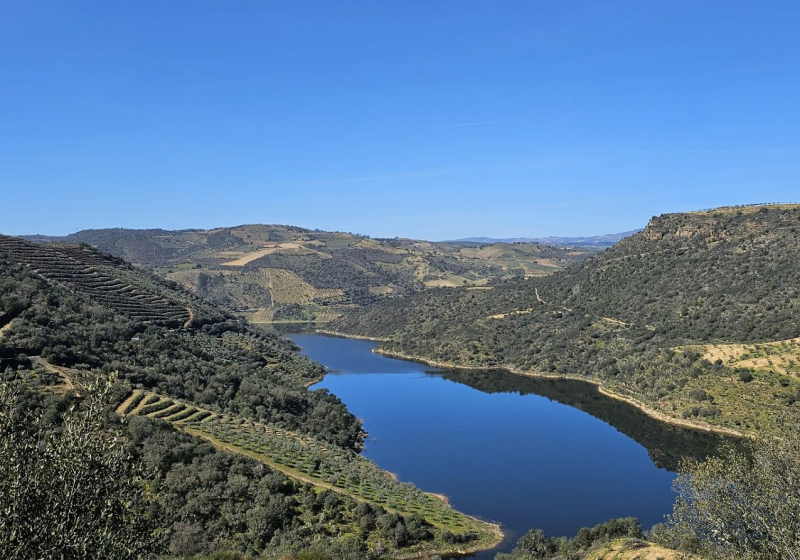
[522, 452]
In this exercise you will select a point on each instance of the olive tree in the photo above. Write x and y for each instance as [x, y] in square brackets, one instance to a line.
[743, 504]
[69, 490]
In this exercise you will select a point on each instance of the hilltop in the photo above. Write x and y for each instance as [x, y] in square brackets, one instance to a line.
[236, 452]
[280, 273]
[694, 318]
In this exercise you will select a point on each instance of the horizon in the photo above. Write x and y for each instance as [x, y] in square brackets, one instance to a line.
[435, 122]
[465, 239]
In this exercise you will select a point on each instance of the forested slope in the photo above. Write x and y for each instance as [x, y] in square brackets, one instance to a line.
[71, 317]
[647, 318]
[274, 273]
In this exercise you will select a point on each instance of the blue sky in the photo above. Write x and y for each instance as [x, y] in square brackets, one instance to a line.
[419, 118]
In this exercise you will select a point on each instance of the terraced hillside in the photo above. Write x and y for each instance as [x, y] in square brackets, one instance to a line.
[695, 318]
[240, 454]
[283, 273]
[103, 278]
[310, 460]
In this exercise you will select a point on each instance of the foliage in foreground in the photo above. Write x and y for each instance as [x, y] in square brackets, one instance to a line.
[535, 545]
[69, 491]
[743, 505]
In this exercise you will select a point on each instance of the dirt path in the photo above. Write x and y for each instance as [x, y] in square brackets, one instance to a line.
[269, 287]
[191, 318]
[69, 385]
[538, 297]
[5, 328]
[288, 471]
[302, 477]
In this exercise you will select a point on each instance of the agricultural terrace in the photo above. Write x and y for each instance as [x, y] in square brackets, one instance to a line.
[308, 459]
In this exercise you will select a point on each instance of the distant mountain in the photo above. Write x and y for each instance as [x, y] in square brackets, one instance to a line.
[278, 273]
[597, 241]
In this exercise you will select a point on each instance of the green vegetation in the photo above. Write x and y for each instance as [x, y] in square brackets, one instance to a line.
[308, 459]
[742, 504]
[632, 316]
[68, 488]
[271, 273]
[216, 415]
[618, 539]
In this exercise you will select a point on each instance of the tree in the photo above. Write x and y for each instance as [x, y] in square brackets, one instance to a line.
[743, 504]
[69, 491]
[534, 544]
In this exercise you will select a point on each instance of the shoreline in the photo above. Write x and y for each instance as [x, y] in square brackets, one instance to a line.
[496, 529]
[338, 334]
[492, 528]
[652, 413]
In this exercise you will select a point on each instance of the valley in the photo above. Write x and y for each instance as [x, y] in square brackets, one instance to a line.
[282, 274]
[694, 317]
[637, 359]
[479, 437]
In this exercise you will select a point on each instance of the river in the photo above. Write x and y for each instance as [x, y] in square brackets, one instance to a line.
[523, 452]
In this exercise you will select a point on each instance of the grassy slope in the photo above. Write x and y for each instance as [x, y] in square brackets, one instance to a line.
[631, 318]
[283, 273]
[632, 549]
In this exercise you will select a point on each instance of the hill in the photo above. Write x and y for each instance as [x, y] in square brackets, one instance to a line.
[596, 241]
[283, 273]
[695, 318]
[236, 452]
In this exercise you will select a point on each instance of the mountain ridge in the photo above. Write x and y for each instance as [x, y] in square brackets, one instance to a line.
[603, 241]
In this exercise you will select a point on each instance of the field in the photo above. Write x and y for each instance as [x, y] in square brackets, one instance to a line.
[782, 356]
[272, 273]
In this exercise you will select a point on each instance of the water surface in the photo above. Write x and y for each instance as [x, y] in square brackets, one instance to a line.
[523, 452]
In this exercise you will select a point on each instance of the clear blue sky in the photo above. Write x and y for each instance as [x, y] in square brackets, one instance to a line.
[421, 118]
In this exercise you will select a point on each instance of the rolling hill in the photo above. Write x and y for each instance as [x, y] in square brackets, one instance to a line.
[236, 452]
[695, 318]
[271, 273]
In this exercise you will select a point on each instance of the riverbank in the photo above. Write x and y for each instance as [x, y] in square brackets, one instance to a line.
[427, 426]
[652, 413]
[353, 336]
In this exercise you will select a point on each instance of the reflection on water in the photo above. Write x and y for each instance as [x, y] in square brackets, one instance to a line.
[665, 443]
[525, 452]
